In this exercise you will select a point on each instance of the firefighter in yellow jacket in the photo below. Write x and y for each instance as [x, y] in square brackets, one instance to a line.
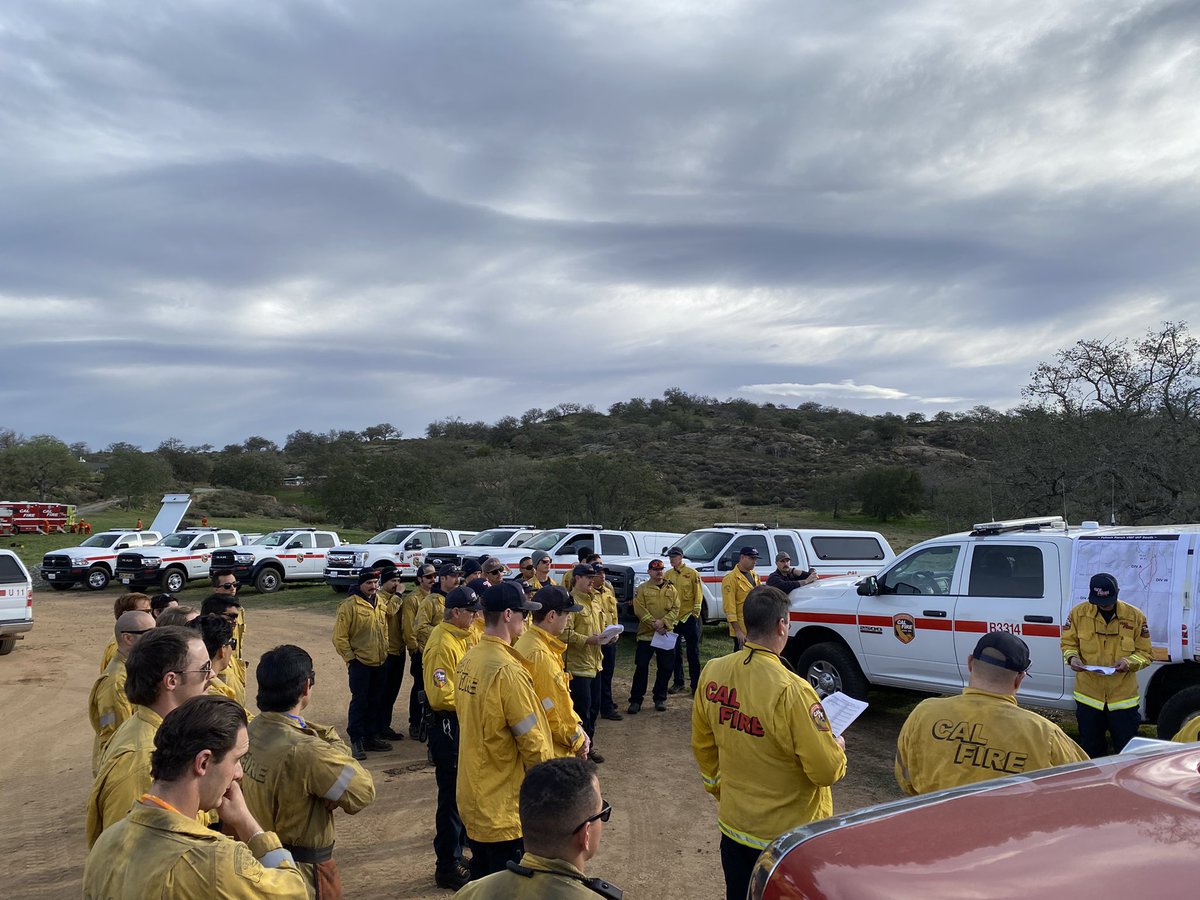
[391, 592]
[691, 602]
[981, 733]
[123, 604]
[734, 589]
[1189, 732]
[430, 612]
[108, 706]
[1105, 631]
[447, 646]
[584, 658]
[656, 605]
[297, 773]
[162, 850]
[763, 743]
[503, 730]
[360, 636]
[543, 649]
[409, 606]
[167, 667]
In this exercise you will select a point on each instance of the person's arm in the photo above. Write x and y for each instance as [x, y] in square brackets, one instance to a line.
[437, 676]
[698, 594]
[671, 619]
[334, 776]
[1069, 641]
[254, 866]
[525, 719]
[819, 753]
[341, 633]
[903, 753]
[408, 629]
[729, 601]
[551, 689]
[425, 620]
[704, 747]
[640, 609]
[1143, 653]
[1063, 750]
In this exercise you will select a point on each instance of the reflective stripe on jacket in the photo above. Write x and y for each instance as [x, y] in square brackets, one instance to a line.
[950, 741]
[1086, 635]
[764, 746]
[544, 653]
[503, 733]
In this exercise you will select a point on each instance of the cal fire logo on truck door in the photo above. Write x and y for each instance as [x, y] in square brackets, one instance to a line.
[905, 627]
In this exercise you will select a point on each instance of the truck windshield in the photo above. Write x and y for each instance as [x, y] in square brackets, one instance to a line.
[493, 537]
[180, 539]
[391, 536]
[545, 540]
[100, 540]
[275, 538]
[703, 546]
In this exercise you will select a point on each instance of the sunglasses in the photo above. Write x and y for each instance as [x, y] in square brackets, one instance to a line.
[604, 815]
[206, 671]
[656, 568]
[227, 586]
[429, 575]
[526, 568]
[495, 571]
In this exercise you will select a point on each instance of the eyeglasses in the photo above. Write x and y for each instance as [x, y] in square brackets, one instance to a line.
[429, 575]
[526, 568]
[604, 815]
[232, 643]
[495, 571]
[227, 586]
[205, 670]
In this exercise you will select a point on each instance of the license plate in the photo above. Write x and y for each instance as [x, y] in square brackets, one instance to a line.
[51, 575]
[126, 580]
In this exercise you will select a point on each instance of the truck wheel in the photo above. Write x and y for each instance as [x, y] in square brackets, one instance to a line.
[173, 581]
[6, 645]
[268, 580]
[703, 612]
[1181, 708]
[829, 668]
[97, 578]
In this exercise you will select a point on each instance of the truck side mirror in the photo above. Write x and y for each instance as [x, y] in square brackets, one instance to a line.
[725, 564]
[122, 546]
[414, 544]
[664, 551]
[294, 545]
[868, 587]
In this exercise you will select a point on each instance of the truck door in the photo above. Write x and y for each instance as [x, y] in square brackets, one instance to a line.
[298, 557]
[906, 630]
[1006, 589]
[324, 544]
[200, 555]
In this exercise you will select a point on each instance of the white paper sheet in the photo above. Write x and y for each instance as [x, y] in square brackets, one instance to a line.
[842, 709]
[1103, 670]
[611, 633]
[664, 641]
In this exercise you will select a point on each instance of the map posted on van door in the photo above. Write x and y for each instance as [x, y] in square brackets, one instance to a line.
[1150, 570]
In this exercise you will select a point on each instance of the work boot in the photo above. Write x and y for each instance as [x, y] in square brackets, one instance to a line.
[413, 734]
[391, 734]
[452, 879]
[376, 744]
[612, 715]
[633, 709]
[660, 705]
[675, 688]
[357, 751]
[595, 757]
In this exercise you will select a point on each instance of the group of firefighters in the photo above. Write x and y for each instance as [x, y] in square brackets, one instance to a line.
[509, 680]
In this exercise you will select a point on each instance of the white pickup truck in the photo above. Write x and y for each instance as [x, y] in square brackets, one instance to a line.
[914, 623]
[402, 546]
[93, 562]
[563, 545]
[16, 601]
[293, 554]
[713, 553]
[178, 558]
[483, 544]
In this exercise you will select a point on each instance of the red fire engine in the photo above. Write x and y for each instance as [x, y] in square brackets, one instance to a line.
[32, 517]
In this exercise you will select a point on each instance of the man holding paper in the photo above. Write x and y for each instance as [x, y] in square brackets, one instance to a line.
[981, 733]
[656, 605]
[1106, 632]
[763, 742]
[584, 660]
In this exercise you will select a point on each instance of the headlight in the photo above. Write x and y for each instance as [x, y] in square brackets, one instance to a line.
[151, 562]
[243, 558]
[78, 562]
[361, 557]
[639, 580]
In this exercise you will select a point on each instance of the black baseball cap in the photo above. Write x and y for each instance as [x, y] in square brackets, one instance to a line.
[583, 570]
[1104, 582]
[999, 648]
[463, 597]
[388, 573]
[675, 551]
[507, 595]
[367, 575]
[552, 597]
[747, 551]
[162, 601]
[449, 569]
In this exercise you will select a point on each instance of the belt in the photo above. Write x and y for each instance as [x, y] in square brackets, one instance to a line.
[310, 855]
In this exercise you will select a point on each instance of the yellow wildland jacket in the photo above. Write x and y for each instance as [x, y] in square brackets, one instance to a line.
[109, 652]
[978, 735]
[361, 631]
[475, 634]
[655, 602]
[503, 733]
[1098, 643]
[430, 614]
[124, 772]
[447, 646]
[395, 627]
[162, 853]
[583, 659]
[409, 605]
[734, 588]
[555, 879]
[293, 768]
[1189, 732]
[544, 653]
[234, 678]
[764, 746]
[108, 707]
[607, 600]
[689, 588]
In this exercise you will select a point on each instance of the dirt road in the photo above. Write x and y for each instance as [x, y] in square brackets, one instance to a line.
[662, 840]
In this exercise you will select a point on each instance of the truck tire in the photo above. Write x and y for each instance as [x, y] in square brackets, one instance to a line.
[1181, 708]
[6, 645]
[704, 612]
[829, 668]
[268, 580]
[173, 580]
[97, 578]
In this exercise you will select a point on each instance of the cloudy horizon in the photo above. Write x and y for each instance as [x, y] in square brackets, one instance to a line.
[228, 219]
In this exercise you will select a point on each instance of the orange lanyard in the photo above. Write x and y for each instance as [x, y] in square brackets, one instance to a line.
[159, 802]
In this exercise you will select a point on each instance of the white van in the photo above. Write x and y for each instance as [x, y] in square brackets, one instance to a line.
[16, 601]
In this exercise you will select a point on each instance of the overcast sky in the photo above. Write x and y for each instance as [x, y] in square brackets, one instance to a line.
[227, 218]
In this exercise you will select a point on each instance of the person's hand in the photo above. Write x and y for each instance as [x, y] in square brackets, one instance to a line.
[1122, 665]
[330, 805]
[841, 741]
[583, 751]
[1075, 663]
[234, 813]
[595, 639]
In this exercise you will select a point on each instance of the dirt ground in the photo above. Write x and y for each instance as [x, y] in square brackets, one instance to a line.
[662, 840]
